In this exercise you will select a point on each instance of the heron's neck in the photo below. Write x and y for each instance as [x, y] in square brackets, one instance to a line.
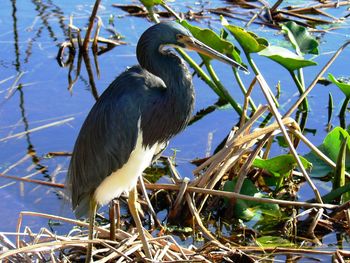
[177, 100]
[171, 69]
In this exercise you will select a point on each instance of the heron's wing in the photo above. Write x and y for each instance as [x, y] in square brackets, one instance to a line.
[108, 135]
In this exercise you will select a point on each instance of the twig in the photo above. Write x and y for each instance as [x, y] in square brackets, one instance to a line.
[53, 217]
[242, 174]
[256, 15]
[246, 102]
[171, 11]
[181, 193]
[314, 223]
[239, 196]
[309, 18]
[326, 5]
[265, 89]
[35, 181]
[37, 129]
[195, 214]
[91, 24]
[150, 207]
[275, 6]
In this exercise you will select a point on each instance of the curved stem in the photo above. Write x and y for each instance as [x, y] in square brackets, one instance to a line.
[257, 72]
[153, 16]
[171, 11]
[243, 89]
[343, 111]
[199, 71]
[223, 90]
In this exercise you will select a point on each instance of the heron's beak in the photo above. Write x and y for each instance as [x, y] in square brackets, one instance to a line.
[194, 44]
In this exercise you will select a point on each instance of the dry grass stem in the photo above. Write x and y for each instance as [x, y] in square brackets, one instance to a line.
[277, 115]
[20, 134]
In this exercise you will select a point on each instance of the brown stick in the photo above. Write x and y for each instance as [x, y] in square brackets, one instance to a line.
[91, 24]
[327, 5]
[238, 196]
[32, 181]
[309, 18]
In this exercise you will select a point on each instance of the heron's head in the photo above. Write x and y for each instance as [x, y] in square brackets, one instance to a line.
[173, 34]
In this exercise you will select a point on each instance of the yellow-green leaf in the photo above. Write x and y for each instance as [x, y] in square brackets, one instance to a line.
[249, 41]
[286, 58]
[214, 41]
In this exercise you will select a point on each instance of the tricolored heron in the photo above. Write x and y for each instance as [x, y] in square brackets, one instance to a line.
[132, 122]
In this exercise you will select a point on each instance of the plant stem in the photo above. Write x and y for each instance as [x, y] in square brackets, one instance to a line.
[343, 111]
[243, 89]
[91, 24]
[257, 72]
[199, 71]
[301, 90]
[223, 90]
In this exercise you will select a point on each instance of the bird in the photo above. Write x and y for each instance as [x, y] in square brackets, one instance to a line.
[132, 122]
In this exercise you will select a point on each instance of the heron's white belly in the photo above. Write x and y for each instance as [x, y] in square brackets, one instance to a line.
[124, 179]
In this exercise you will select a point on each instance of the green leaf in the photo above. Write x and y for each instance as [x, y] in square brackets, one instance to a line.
[300, 38]
[339, 173]
[286, 58]
[249, 41]
[245, 209]
[280, 165]
[331, 146]
[344, 87]
[273, 241]
[214, 41]
[151, 3]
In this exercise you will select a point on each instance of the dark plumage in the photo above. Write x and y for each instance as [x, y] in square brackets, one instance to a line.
[159, 92]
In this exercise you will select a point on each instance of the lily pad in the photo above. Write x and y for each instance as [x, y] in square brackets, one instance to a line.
[300, 38]
[343, 86]
[249, 41]
[286, 58]
[214, 41]
[245, 209]
[281, 165]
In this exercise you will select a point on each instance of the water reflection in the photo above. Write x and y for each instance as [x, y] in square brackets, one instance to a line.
[30, 148]
[76, 42]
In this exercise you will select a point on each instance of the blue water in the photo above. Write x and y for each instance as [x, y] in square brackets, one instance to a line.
[29, 35]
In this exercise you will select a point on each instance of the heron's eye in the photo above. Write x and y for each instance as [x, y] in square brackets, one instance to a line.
[179, 37]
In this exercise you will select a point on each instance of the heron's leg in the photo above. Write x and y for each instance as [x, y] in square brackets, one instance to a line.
[133, 210]
[92, 216]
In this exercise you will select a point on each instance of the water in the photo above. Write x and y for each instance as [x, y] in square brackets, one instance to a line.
[29, 36]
